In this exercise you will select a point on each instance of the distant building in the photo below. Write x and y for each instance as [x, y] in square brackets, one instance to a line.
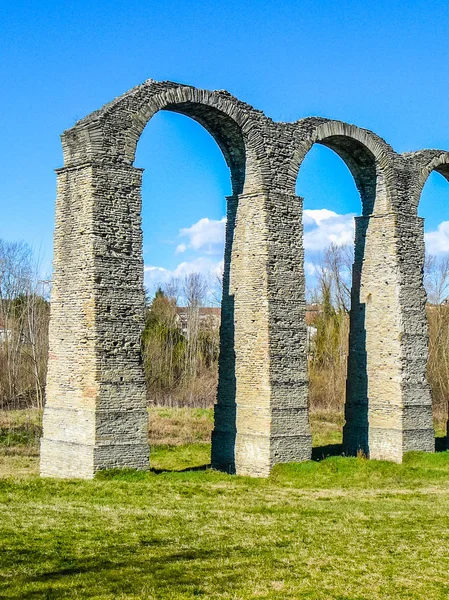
[5, 334]
[312, 312]
[209, 317]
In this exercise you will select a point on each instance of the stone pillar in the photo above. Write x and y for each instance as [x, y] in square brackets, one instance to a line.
[95, 415]
[267, 283]
[418, 431]
[224, 433]
[355, 430]
[291, 439]
[383, 416]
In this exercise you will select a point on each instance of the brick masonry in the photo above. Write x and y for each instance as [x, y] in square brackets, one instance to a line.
[95, 415]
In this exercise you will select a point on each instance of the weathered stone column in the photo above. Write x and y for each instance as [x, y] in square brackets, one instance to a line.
[95, 415]
[291, 439]
[356, 428]
[267, 282]
[417, 422]
[384, 417]
[225, 410]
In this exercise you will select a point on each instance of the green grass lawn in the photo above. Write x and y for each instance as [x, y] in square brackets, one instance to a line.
[338, 528]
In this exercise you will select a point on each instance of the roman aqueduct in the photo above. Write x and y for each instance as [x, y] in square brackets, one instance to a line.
[96, 415]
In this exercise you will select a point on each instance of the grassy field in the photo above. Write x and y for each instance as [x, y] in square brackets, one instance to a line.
[336, 528]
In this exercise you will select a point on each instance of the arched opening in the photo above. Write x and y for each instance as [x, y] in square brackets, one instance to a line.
[185, 181]
[96, 379]
[196, 169]
[434, 209]
[331, 201]
[373, 417]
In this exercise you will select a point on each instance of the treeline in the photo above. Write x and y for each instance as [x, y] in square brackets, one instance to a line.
[24, 317]
[328, 348]
[180, 347]
[180, 344]
[436, 279]
[329, 329]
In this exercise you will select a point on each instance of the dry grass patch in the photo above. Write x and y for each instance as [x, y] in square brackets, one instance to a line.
[20, 431]
[178, 426]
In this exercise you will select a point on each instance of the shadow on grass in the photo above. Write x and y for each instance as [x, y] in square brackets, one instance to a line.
[441, 444]
[172, 572]
[186, 470]
[322, 452]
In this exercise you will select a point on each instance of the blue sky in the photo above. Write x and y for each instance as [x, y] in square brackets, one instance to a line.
[380, 64]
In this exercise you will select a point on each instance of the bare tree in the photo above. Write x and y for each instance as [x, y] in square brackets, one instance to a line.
[180, 345]
[173, 289]
[328, 358]
[436, 278]
[24, 313]
[436, 281]
[194, 288]
[335, 273]
[217, 287]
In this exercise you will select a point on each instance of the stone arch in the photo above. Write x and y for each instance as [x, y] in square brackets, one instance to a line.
[95, 415]
[368, 157]
[96, 406]
[113, 132]
[374, 391]
[420, 164]
[425, 162]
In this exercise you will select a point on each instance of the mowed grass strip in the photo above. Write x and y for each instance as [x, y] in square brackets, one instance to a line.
[340, 528]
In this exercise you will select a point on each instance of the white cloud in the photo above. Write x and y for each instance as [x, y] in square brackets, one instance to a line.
[437, 242]
[205, 241]
[211, 269]
[316, 216]
[204, 238]
[323, 227]
[206, 235]
[310, 268]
